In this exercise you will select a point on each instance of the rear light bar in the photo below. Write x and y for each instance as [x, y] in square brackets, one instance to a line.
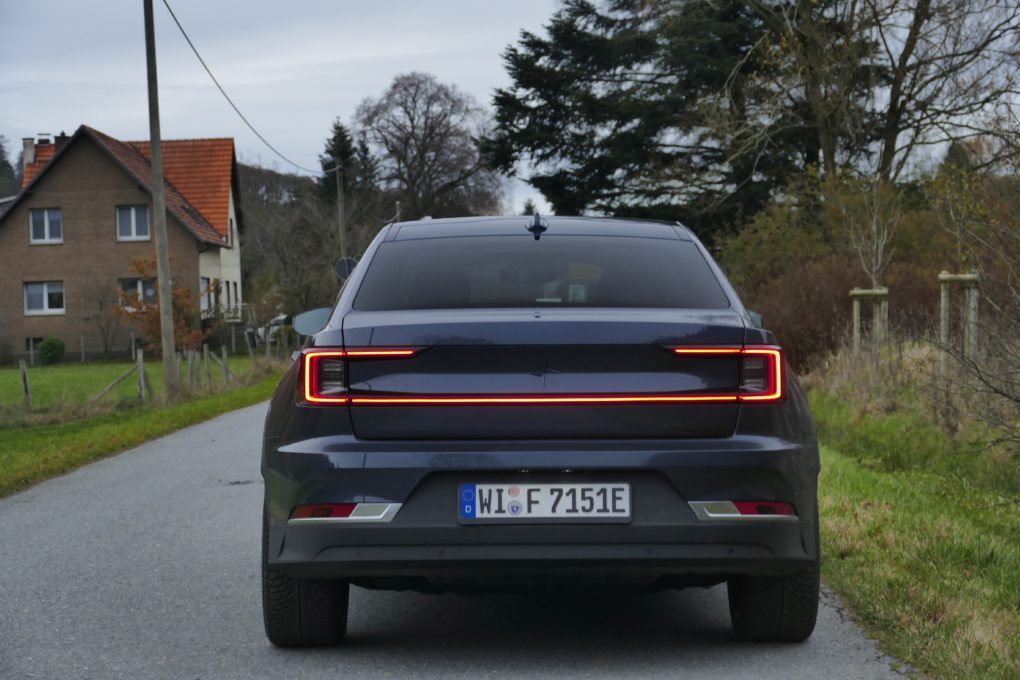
[324, 381]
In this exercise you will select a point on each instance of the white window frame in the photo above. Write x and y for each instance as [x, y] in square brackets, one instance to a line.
[45, 311]
[139, 289]
[46, 226]
[134, 223]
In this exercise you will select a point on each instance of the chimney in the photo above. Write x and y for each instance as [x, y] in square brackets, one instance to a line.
[61, 140]
[29, 152]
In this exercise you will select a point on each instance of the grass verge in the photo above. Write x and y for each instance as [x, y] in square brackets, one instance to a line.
[68, 382]
[31, 454]
[925, 550]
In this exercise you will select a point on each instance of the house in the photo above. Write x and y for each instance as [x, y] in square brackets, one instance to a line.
[84, 215]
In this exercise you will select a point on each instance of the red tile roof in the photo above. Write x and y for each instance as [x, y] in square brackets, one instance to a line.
[198, 176]
[201, 170]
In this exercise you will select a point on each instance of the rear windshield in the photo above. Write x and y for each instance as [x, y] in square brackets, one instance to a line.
[555, 271]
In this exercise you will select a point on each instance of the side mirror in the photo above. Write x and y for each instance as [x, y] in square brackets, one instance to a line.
[757, 319]
[312, 321]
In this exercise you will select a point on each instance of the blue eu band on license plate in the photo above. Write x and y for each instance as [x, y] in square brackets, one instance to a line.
[574, 502]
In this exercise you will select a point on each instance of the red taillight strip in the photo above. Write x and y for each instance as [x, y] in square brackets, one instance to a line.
[561, 399]
[366, 353]
[705, 351]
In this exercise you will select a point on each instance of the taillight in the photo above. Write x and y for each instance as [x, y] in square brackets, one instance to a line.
[324, 372]
[761, 374]
[761, 369]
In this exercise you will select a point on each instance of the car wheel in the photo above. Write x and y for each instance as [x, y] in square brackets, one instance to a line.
[301, 612]
[776, 608]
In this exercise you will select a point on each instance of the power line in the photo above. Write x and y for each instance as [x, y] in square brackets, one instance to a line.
[234, 106]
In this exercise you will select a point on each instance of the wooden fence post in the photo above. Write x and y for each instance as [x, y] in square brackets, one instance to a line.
[247, 342]
[971, 298]
[857, 325]
[133, 345]
[226, 371]
[140, 359]
[25, 389]
[206, 363]
[943, 324]
[191, 369]
[969, 316]
[81, 346]
[268, 334]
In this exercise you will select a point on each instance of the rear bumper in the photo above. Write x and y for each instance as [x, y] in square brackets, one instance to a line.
[664, 541]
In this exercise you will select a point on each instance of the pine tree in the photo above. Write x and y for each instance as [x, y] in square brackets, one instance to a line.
[8, 178]
[614, 111]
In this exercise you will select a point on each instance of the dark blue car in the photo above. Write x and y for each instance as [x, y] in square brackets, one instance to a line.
[507, 402]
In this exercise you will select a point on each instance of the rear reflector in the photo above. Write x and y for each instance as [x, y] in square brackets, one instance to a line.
[763, 508]
[342, 513]
[741, 510]
[322, 510]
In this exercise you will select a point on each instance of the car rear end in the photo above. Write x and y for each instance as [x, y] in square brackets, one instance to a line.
[488, 410]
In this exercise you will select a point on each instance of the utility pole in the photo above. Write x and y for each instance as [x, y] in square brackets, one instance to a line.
[166, 312]
[339, 209]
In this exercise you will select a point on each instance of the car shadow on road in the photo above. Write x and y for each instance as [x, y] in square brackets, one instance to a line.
[528, 632]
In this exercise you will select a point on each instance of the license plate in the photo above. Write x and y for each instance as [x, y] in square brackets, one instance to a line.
[544, 503]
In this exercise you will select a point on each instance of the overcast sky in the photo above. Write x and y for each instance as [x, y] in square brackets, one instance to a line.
[291, 67]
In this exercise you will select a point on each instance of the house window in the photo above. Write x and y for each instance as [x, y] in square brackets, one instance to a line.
[226, 284]
[237, 300]
[205, 293]
[139, 289]
[132, 223]
[46, 297]
[45, 225]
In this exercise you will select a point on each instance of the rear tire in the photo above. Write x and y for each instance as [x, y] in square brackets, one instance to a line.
[777, 608]
[301, 612]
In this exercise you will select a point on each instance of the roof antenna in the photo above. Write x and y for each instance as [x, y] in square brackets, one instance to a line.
[537, 226]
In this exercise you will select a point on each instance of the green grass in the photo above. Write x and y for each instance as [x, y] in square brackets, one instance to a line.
[76, 383]
[31, 454]
[920, 540]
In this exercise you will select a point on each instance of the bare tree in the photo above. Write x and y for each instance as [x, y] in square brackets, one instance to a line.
[102, 299]
[885, 78]
[291, 243]
[870, 209]
[425, 135]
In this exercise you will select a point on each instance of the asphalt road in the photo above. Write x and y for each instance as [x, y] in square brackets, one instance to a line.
[146, 565]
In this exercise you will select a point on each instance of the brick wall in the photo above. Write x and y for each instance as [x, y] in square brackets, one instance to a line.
[87, 185]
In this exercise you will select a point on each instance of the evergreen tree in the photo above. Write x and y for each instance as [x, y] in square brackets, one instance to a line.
[8, 178]
[340, 150]
[615, 111]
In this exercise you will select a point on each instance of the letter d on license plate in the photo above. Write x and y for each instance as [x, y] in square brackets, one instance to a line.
[543, 503]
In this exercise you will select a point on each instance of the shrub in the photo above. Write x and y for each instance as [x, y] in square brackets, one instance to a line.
[51, 350]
